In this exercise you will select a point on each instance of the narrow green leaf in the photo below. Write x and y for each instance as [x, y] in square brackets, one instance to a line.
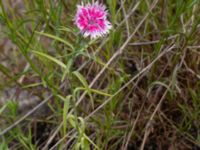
[100, 92]
[85, 84]
[81, 78]
[3, 108]
[56, 38]
[65, 111]
[93, 90]
[61, 64]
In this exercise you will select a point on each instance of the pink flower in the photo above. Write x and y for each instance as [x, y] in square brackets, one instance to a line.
[92, 21]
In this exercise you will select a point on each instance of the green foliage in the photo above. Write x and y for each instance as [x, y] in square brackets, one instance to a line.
[100, 98]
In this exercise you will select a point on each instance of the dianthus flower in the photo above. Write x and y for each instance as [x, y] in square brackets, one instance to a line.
[91, 19]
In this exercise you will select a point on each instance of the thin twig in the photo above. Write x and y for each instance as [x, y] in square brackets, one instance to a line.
[126, 18]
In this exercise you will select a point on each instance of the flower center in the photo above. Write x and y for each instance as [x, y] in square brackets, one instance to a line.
[92, 21]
